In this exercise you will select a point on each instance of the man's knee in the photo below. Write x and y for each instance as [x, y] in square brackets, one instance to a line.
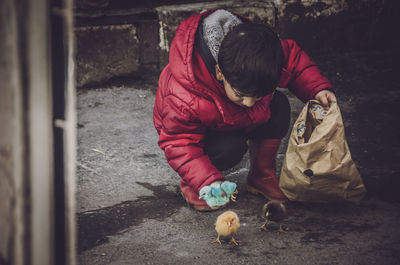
[225, 149]
[280, 113]
[278, 125]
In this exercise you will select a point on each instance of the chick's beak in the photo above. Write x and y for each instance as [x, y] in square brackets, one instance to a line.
[229, 224]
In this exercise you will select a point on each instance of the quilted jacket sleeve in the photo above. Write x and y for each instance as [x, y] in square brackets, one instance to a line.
[306, 79]
[181, 139]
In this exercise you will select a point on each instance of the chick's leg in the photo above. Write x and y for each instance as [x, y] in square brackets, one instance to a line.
[264, 227]
[217, 240]
[233, 197]
[281, 229]
[234, 241]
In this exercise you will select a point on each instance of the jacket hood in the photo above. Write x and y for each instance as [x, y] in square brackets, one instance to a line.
[186, 64]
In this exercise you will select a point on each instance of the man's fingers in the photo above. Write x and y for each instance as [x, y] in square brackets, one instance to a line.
[331, 97]
[325, 97]
[324, 101]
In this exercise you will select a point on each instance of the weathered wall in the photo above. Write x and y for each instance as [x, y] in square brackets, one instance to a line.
[106, 51]
[115, 44]
[317, 26]
[338, 25]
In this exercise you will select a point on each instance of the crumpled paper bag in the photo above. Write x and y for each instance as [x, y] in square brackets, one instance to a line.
[318, 165]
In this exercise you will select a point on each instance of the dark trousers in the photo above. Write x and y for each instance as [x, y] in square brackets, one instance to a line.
[226, 149]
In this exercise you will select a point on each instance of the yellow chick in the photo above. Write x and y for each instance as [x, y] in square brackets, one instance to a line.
[227, 224]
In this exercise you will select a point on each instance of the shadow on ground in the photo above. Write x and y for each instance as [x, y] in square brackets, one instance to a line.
[95, 226]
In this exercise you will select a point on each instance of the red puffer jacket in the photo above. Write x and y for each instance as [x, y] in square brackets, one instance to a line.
[189, 101]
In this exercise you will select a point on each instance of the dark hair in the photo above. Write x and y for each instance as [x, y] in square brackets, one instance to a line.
[251, 59]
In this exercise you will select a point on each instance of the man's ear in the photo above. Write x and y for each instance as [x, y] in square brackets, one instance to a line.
[218, 73]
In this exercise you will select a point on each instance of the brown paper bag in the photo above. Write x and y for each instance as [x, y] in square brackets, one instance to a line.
[318, 165]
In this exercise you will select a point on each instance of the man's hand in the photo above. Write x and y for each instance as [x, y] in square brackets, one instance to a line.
[325, 97]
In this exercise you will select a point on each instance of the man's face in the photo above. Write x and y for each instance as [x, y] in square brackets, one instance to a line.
[237, 98]
[234, 95]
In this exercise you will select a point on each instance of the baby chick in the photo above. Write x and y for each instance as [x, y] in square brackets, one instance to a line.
[274, 211]
[205, 193]
[227, 224]
[230, 188]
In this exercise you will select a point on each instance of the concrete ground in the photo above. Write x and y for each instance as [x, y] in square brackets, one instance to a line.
[130, 210]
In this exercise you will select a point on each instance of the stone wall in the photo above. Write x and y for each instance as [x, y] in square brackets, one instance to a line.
[115, 43]
[335, 26]
[106, 51]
